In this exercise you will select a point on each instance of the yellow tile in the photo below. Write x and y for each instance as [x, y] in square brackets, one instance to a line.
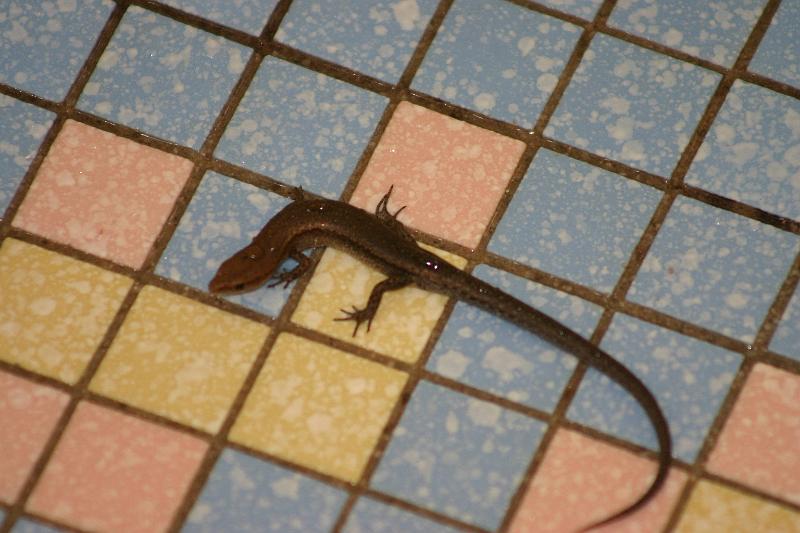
[318, 407]
[405, 318]
[54, 310]
[180, 359]
[713, 507]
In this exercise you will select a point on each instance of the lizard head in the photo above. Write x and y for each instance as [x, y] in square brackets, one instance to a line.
[245, 270]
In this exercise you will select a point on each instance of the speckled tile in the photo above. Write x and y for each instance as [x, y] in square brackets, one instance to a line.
[574, 220]
[714, 268]
[778, 55]
[55, 309]
[449, 173]
[752, 153]
[689, 378]
[457, 455]
[497, 58]
[164, 78]
[318, 407]
[301, 128]
[22, 128]
[715, 31]
[25, 525]
[714, 506]
[28, 414]
[374, 37]
[103, 194]
[247, 15]
[486, 352]
[177, 358]
[248, 494]
[145, 471]
[787, 337]
[405, 318]
[758, 444]
[586, 9]
[222, 218]
[372, 516]
[44, 44]
[632, 105]
[599, 480]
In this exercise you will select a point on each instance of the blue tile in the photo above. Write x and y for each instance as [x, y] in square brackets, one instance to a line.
[248, 494]
[752, 153]
[25, 525]
[163, 77]
[574, 220]
[497, 58]
[44, 44]
[371, 516]
[301, 128]
[22, 128]
[715, 31]
[582, 8]
[247, 15]
[223, 217]
[632, 105]
[689, 378]
[778, 55]
[488, 353]
[457, 455]
[374, 37]
[786, 339]
[714, 268]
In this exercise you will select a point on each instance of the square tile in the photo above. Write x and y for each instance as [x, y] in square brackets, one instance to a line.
[25, 525]
[55, 309]
[632, 105]
[177, 358]
[758, 444]
[497, 58]
[318, 407]
[714, 268]
[301, 128]
[372, 516]
[375, 37]
[245, 494]
[44, 44]
[22, 128]
[247, 15]
[103, 194]
[450, 174]
[144, 473]
[405, 318]
[457, 455]
[586, 9]
[778, 55]
[715, 31]
[484, 351]
[787, 337]
[163, 77]
[574, 220]
[752, 153]
[222, 218]
[28, 414]
[689, 378]
[581, 481]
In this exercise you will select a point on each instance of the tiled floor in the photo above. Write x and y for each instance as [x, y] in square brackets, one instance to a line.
[631, 168]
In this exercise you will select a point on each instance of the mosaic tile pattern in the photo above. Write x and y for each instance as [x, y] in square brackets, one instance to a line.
[29, 526]
[778, 55]
[787, 337]
[246, 15]
[370, 516]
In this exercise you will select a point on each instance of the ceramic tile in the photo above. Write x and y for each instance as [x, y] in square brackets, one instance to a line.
[497, 58]
[178, 358]
[372, 516]
[632, 105]
[28, 414]
[44, 44]
[300, 127]
[318, 407]
[450, 174]
[714, 268]
[247, 15]
[787, 337]
[778, 55]
[457, 455]
[165, 78]
[55, 309]
[25, 525]
[586, 9]
[145, 471]
[103, 194]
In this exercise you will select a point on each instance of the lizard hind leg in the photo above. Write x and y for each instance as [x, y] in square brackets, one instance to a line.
[366, 314]
[382, 209]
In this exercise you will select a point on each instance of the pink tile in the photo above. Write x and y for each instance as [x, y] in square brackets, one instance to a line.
[582, 480]
[114, 472]
[28, 413]
[450, 174]
[760, 443]
[103, 194]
